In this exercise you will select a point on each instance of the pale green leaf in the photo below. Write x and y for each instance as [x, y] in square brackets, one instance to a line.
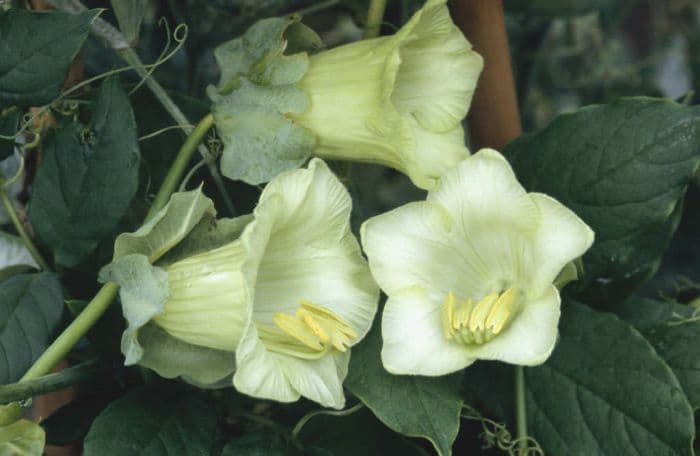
[22, 438]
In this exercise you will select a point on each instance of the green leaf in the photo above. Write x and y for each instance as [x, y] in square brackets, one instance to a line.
[13, 252]
[31, 306]
[427, 407]
[87, 179]
[623, 168]
[22, 438]
[36, 50]
[606, 391]
[257, 444]
[674, 331]
[256, 91]
[9, 124]
[129, 14]
[360, 433]
[153, 422]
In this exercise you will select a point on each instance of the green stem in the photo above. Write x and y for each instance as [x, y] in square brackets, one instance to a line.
[49, 383]
[177, 169]
[130, 57]
[305, 419]
[375, 14]
[19, 226]
[72, 334]
[521, 411]
[99, 304]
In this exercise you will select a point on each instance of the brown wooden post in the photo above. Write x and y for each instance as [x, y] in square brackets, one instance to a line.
[494, 119]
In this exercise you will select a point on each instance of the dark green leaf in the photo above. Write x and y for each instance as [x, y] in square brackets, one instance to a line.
[9, 123]
[31, 306]
[71, 422]
[427, 407]
[674, 330]
[623, 168]
[153, 422]
[258, 444]
[87, 179]
[36, 50]
[606, 391]
[357, 434]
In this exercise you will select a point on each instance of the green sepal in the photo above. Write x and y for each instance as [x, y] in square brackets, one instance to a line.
[170, 357]
[271, 52]
[143, 293]
[259, 140]
[256, 91]
[22, 438]
[168, 227]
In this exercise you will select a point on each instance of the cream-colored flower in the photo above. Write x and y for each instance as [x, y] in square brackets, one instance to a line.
[396, 100]
[289, 296]
[469, 272]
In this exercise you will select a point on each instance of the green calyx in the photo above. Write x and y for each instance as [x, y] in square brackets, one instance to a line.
[256, 92]
[185, 227]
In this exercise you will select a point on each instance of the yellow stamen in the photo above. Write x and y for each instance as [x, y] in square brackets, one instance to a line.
[481, 310]
[309, 334]
[478, 323]
[448, 315]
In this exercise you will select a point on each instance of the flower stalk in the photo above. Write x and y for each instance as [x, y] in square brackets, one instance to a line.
[19, 226]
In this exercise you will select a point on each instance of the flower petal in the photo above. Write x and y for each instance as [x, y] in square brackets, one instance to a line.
[413, 339]
[562, 237]
[483, 190]
[438, 72]
[284, 378]
[412, 245]
[436, 153]
[312, 254]
[530, 338]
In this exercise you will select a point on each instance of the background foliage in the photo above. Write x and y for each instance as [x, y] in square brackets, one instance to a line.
[608, 94]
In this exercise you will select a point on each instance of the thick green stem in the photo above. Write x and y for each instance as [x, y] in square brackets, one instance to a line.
[375, 15]
[52, 382]
[177, 169]
[521, 410]
[19, 226]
